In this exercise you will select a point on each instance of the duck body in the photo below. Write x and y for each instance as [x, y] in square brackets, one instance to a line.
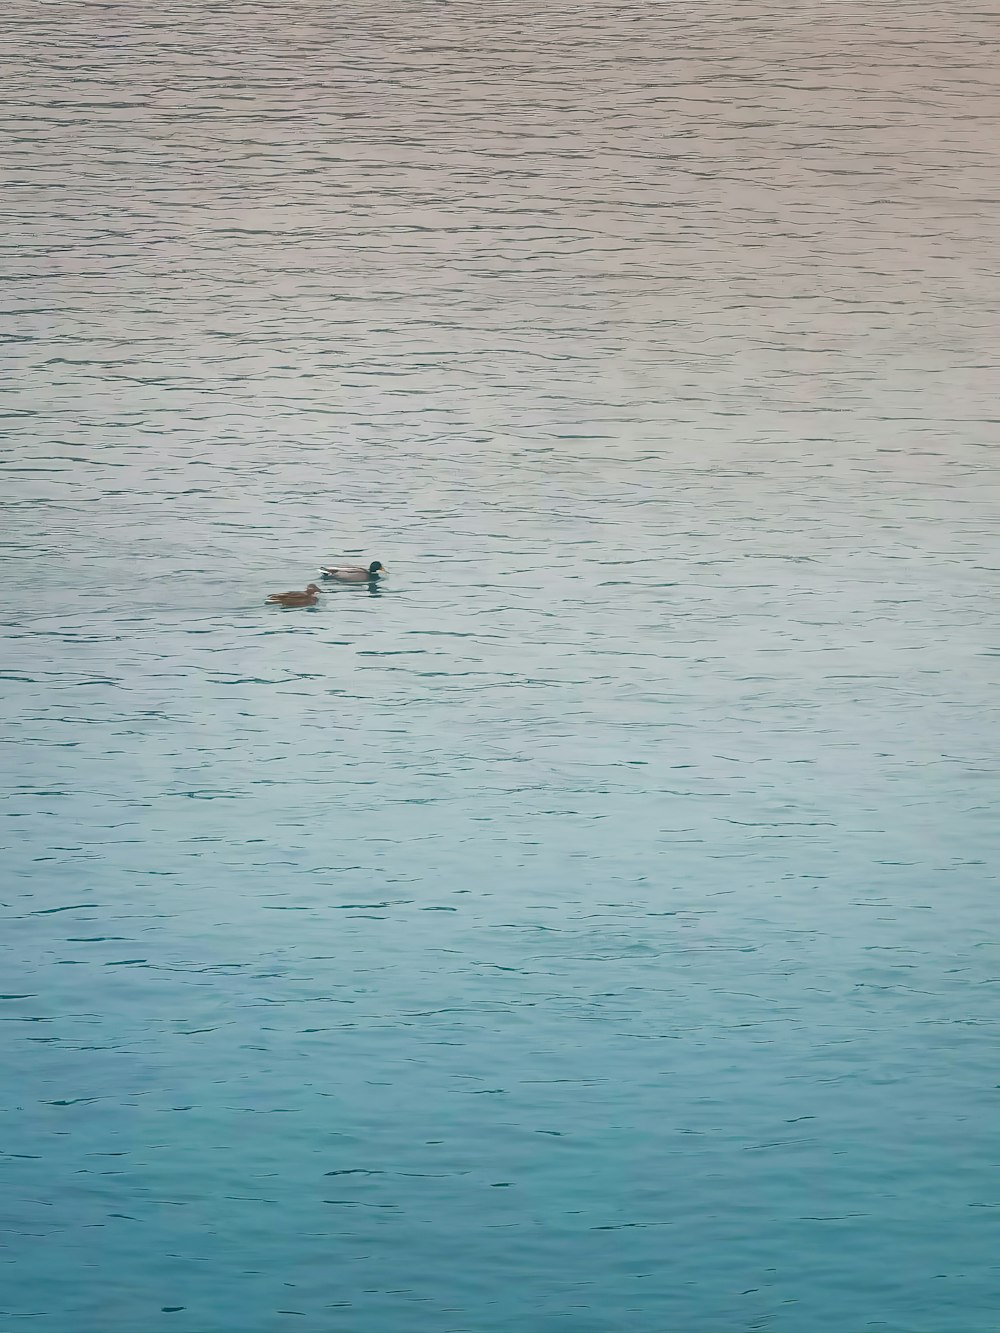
[355, 573]
[307, 598]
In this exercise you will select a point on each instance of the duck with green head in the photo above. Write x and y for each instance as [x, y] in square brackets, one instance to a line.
[355, 573]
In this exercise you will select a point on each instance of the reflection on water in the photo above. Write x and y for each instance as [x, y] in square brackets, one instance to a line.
[599, 933]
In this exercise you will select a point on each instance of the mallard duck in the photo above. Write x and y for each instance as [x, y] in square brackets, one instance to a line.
[354, 573]
[308, 598]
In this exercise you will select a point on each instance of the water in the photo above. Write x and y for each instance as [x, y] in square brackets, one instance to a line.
[592, 928]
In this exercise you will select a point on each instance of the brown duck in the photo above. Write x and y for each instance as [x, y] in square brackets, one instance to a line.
[308, 598]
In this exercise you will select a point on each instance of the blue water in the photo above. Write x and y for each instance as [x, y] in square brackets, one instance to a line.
[593, 927]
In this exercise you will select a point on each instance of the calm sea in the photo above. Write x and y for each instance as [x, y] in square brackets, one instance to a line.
[591, 929]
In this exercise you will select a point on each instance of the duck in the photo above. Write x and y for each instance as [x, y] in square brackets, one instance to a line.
[308, 598]
[355, 573]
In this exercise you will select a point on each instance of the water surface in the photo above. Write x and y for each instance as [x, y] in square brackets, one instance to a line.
[593, 928]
